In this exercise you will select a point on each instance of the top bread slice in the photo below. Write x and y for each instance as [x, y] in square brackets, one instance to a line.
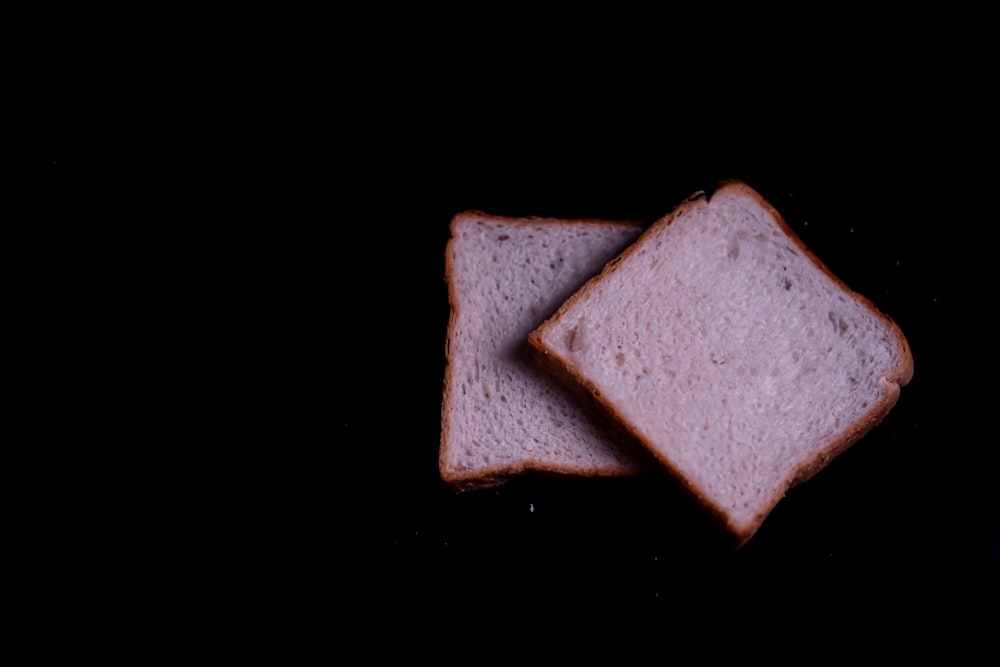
[731, 352]
[501, 414]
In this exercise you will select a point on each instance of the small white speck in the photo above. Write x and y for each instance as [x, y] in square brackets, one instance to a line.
[897, 262]
[851, 230]
[805, 223]
[934, 299]
[531, 507]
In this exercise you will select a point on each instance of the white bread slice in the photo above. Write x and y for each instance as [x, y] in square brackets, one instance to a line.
[501, 414]
[731, 352]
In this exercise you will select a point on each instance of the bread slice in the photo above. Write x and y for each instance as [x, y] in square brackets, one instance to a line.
[501, 414]
[731, 352]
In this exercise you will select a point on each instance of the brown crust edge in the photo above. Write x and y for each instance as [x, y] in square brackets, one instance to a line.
[809, 467]
[494, 476]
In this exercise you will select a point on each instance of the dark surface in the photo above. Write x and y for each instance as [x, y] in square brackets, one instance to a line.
[242, 323]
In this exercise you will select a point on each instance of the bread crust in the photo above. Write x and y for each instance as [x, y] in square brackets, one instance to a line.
[483, 478]
[808, 467]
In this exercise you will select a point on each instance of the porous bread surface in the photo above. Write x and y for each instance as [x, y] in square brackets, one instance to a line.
[501, 414]
[731, 352]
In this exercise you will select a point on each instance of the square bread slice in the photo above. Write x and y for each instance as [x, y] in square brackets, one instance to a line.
[501, 415]
[730, 351]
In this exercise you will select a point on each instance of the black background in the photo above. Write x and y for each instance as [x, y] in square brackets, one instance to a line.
[234, 314]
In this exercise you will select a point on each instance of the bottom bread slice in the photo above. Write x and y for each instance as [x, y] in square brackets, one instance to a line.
[501, 415]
